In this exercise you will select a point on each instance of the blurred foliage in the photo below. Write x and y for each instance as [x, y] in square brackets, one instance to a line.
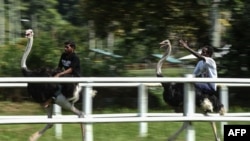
[142, 25]
[42, 14]
[138, 27]
[9, 64]
[237, 62]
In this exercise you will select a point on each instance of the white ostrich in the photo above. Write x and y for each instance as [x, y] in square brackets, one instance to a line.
[173, 95]
[41, 92]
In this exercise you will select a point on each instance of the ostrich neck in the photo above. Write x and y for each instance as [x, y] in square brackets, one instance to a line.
[26, 53]
[161, 61]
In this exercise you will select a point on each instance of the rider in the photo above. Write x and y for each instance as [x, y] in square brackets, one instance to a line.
[206, 67]
[69, 62]
[68, 66]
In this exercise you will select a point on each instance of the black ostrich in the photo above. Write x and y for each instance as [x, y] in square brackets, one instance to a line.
[64, 95]
[173, 95]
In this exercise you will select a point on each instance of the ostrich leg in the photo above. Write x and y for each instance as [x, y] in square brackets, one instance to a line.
[184, 126]
[217, 138]
[38, 134]
[175, 135]
[64, 103]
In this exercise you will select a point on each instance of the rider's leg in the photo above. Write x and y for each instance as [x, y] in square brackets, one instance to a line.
[205, 88]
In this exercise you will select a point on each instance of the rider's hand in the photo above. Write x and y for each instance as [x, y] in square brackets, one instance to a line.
[183, 43]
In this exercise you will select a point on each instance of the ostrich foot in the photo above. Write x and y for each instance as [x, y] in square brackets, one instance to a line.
[35, 136]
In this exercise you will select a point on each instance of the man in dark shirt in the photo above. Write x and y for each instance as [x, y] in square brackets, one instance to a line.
[68, 66]
[69, 63]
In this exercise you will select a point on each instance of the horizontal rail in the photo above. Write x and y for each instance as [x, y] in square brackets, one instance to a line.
[5, 84]
[71, 120]
[120, 80]
[125, 115]
[87, 84]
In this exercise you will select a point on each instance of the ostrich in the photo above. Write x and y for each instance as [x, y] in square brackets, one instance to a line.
[173, 95]
[64, 95]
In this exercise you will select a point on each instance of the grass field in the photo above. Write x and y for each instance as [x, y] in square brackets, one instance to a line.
[157, 131]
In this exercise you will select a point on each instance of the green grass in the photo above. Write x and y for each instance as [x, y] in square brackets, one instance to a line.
[157, 131]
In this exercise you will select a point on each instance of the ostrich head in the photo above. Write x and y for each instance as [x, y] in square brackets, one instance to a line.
[29, 33]
[166, 45]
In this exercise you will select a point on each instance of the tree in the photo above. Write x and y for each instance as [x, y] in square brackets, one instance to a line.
[236, 63]
[70, 11]
[141, 25]
[42, 14]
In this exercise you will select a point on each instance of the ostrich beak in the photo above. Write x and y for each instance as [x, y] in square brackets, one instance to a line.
[27, 35]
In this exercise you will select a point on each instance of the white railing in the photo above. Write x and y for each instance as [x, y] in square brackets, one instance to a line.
[142, 116]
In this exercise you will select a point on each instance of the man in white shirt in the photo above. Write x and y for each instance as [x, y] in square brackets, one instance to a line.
[206, 67]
